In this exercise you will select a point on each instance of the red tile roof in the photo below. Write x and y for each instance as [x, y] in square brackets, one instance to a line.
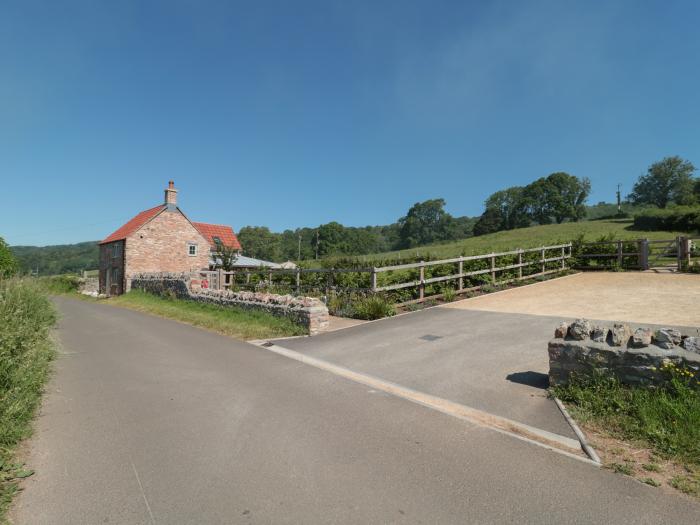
[224, 233]
[134, 224]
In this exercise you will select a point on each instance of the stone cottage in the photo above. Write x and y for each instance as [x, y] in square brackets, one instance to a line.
[160, 239]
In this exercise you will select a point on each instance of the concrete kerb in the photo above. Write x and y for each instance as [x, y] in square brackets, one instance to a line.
[587, 448]
[560, 444]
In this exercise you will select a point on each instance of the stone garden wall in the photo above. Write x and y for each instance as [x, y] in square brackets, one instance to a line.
[635, 357]
[306, 311]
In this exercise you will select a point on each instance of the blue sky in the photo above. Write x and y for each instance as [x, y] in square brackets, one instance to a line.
[290, 114]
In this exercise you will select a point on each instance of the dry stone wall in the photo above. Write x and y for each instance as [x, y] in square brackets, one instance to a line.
[306, 311]
[636, 357]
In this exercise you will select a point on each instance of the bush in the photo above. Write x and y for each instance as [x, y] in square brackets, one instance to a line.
[373, 307]
[26, 349]
[678, 218]
[60, 284]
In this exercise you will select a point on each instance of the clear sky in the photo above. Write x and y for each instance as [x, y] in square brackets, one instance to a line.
[297, 113]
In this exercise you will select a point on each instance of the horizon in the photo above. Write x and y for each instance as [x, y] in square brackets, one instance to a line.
[284, 116]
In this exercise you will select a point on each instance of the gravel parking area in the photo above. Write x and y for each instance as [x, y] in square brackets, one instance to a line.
[637, 297]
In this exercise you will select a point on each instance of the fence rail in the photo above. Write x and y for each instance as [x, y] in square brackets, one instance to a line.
[492, 268]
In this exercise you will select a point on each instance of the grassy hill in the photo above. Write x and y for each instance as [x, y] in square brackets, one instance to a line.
[58, 259]
[532, 237]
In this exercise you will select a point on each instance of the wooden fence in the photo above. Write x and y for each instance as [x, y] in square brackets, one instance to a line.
[640, 254]
[420, 279]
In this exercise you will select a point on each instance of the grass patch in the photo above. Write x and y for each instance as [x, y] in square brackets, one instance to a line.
[658, 428]
[236, 322]
[532, 237]
[667, 419]
[26, 350]
[59, 284]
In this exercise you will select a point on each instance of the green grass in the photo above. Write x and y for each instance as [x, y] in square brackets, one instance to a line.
[667, 419]
[532, 237]
[26, 350]
[239, 323]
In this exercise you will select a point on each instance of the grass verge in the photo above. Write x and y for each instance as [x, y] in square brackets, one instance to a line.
[26, 350]
[652, 434]
[235, 322]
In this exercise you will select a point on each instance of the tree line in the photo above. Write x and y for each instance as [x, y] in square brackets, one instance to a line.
[557, 198]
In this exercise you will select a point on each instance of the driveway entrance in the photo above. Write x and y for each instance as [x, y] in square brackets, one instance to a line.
[490, 352]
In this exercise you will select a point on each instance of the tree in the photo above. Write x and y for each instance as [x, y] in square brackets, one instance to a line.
[510, 206]
[567, 196]
[668, 181]
[489, 222]
[425, 222]
[538, 199]
[226, 256]
[259, 242]
[8, 263]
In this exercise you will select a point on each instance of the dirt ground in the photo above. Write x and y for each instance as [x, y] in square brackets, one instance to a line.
[641, 297]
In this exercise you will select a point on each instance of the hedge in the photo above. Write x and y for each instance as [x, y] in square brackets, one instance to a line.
[680, 218]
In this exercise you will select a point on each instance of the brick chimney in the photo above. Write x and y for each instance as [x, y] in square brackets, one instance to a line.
[171, 195]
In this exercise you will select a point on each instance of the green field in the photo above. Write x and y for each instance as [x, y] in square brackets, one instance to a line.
[535, 236]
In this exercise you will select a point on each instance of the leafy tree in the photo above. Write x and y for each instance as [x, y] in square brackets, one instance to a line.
[538, 200]
[8, 263]
[511, 208]
[58, 259]
[567, 196]
[668, 181]
[226, 255]
[425, 222]
[489, 222]
[259, 242]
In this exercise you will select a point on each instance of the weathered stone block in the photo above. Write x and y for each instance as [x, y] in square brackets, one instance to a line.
[561, 330]
[599, 334]
[642, 337]
[692, 344]
[580, 329]
[620, 334]
[667, 338]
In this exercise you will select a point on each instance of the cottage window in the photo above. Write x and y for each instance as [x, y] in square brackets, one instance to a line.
[192, 250]
[115, 250]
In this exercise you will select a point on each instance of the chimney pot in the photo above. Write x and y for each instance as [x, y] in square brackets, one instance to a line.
[171, 195]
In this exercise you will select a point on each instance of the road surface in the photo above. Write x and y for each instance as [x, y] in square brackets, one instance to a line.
[151, 421]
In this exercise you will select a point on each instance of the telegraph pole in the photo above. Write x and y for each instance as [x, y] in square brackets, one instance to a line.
[619, 202]
[299, 249]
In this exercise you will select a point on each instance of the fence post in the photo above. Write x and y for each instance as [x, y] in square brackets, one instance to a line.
[520, 263]
[373, 279]
[269, 278]
[329, 282]
[421, 286]
[563, 260]
[460, 270]
[493, 269]
[298, 279]
[683, 253]
[619, 253]
[219, 279]
[644, 254]
[544, 264]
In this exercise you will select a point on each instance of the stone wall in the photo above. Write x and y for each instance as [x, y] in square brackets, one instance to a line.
[161, 245]
[634, 357]
[306, 311]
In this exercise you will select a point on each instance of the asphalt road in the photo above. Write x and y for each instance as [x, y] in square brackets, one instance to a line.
[151, 421]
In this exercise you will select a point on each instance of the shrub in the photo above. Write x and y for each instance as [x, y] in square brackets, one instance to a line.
[373, 307]
[26, 349]
[678, 218]
[60, 284]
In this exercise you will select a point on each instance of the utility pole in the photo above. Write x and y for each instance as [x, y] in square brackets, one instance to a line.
[299, 250]
[619, 202]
